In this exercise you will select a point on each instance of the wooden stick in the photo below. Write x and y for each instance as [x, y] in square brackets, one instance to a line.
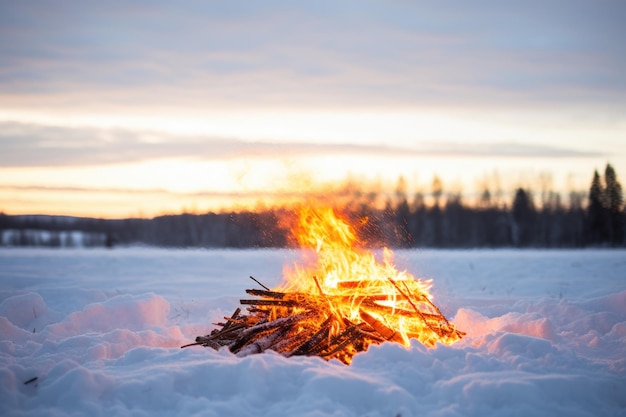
[316, 339]
[415, 307]
[260, 345]
[286, 346]
[282, 303]
[249, 333]
[264, 293]
[384, 331]
[283, 321]
[190, 344]
[258, 282]
[30, 381]
[348, 336]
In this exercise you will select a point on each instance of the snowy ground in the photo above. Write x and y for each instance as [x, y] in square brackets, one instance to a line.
[101, 331]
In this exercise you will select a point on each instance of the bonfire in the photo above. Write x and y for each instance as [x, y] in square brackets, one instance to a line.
[336, 305]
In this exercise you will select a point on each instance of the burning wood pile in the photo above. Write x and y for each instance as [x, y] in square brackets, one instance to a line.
[360, 301]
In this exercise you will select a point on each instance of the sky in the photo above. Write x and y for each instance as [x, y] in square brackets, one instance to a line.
[116, 109]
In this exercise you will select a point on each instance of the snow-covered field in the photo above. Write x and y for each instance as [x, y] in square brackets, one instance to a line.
[101, 331]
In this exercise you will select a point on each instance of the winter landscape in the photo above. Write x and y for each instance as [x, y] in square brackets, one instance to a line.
[98, 332]
[156, 155]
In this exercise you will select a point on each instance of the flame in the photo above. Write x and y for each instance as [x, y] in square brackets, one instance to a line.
[358, 287]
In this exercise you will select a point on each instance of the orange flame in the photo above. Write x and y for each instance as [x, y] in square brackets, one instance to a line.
[361, 288]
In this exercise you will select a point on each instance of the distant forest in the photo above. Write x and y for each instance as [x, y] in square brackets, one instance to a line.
[596, 219]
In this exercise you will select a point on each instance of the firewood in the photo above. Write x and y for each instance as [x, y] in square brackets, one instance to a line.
[384, 331]
[306, 347]
[341, 342]
[283, 303]
[262, 344]
[258, 282]
[297, 323]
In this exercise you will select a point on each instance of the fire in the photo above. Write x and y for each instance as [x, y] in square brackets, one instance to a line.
[358, 287]
[338, 305]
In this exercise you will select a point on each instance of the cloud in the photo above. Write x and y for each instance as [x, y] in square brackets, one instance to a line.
[281, 53]
[32, 145]
[145, 191]
[504, 150]
[320, 190]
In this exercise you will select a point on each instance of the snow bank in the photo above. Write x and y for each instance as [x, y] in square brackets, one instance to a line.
[102, 344]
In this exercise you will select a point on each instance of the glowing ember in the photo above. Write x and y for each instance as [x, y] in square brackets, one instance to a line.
[341, 303]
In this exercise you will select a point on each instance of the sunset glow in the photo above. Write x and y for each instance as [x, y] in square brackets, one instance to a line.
[130, 124]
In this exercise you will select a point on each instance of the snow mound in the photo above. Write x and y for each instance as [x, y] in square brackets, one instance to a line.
[23, 310]
[121, 312]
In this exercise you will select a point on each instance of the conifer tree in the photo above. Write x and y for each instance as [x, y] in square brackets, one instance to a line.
[437, 187]
[596, 225]
[613, 200]
[523, 212]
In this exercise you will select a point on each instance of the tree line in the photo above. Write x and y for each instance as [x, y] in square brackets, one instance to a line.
[597, 219]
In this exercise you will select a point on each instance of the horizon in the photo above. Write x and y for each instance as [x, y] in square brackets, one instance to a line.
[118, 110]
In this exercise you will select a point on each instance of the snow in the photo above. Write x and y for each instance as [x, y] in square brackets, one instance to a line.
[101, 331]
